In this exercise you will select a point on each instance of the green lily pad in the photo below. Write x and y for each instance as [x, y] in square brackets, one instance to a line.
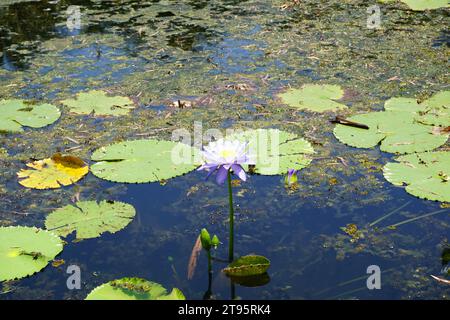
[245, 266]
[15, 114]
[99, 103]
[142, 161]
[436, 110]
[420, 5]
[133, 289]
[90, 219]
[275, 151]
[396, 129]
[314, 97]
[25, 251]
[426, 175]
[409, 105]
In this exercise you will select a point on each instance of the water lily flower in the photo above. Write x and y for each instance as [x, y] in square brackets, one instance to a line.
[225, 155]
[291, 177]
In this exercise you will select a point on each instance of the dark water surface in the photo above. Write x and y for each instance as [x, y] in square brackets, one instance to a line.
[161, 51]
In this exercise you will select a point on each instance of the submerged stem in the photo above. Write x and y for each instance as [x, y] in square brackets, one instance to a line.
[417, 218]
[231, 235]
[390, 214]
[208, 294]
[232, 290]
[209, 262]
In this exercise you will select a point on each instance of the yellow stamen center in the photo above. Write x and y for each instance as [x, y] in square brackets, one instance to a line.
[227, 153]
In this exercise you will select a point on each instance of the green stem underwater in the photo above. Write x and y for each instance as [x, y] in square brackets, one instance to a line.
[231, 235]
[209, 262]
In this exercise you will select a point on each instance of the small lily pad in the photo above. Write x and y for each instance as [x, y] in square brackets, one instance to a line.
[25, 251]
[133, 289]
[426, 175]
[142, 161]
[314, 97]
[90, 219]
[275, 151]
[99, 103]
[16, 114]
[53, 172]
[245, 266]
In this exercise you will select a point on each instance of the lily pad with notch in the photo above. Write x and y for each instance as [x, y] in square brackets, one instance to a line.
[314, 97]
[99, 103]
[143, 161]
[425, 175]
[275, 151]
[16, 114]
[25, 251]
[90, 219]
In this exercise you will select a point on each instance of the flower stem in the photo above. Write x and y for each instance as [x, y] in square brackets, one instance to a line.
[231, 237]
[209, 262]
[208, 294]
[232, 290]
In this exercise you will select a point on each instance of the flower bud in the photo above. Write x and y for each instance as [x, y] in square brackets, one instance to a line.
[215, 241]
[205, 239]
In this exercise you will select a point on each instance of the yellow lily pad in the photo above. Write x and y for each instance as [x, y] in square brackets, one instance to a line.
[53, 173]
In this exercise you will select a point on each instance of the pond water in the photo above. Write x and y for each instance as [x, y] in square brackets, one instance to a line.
[231, 58]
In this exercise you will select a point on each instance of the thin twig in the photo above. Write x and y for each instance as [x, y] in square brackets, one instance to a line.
[346, 122]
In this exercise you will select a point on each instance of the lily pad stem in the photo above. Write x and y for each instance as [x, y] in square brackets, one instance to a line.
[231, 236]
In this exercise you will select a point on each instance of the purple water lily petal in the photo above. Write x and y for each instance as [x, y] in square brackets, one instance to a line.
[210, 173]
[221, 156]
[291, 173]
[211, 156]
[222, 175]
[239, 171]
[207, 166]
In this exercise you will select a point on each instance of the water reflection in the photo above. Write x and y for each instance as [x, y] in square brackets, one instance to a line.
[24, 25]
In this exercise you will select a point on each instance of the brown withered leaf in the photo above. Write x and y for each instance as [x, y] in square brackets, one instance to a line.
[194, 257]
[441, 131]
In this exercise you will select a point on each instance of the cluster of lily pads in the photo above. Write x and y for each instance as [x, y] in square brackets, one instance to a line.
[23, 250]
[412, 128]
[28, 250]
[404, 127]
